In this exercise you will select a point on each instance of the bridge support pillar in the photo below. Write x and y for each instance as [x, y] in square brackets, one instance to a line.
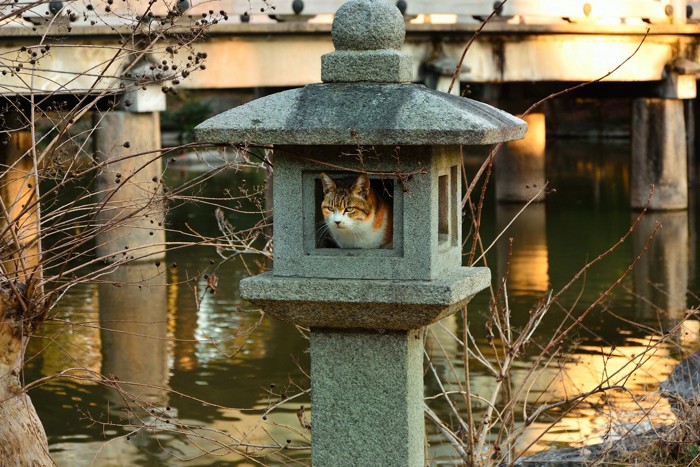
[439, 75]
[659, 154]
[130, 185]
[520, 173]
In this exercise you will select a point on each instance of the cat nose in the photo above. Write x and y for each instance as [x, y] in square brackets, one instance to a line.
[338, 222]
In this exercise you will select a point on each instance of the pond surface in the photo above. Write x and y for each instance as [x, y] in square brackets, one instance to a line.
[208, 365]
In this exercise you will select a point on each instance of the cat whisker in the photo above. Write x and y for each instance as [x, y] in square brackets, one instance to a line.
[322, 228]
[322, 233]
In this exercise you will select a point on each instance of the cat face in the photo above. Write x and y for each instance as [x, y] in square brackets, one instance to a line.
[355, 217]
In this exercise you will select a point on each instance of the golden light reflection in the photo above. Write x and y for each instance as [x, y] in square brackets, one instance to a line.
[528, 264]
[640, 365]
[195, 318]
[529, 269]
[249, 427]
[17, 190]
[440, 342]
[689, 336]
[640, 368]
[182, 324]
[520, 169]
[535, 141]
[235, 343]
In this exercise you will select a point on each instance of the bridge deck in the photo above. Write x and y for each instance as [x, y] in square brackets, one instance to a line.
[549, 40]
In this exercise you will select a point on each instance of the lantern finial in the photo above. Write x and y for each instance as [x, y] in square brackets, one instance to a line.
[368, 35]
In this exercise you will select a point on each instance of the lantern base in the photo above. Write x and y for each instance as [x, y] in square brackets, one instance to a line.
[363, 304]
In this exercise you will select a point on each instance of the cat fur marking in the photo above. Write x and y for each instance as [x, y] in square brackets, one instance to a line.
[356, 217]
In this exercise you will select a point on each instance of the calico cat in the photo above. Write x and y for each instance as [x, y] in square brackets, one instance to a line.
[357, 217]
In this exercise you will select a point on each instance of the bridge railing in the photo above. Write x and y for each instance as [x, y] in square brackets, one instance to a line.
[652, 11]
[97, 12]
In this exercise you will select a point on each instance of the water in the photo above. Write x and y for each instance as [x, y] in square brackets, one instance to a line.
[209, 365]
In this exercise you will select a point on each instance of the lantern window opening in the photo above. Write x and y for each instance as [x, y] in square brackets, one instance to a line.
[447, 207]
[384, 189]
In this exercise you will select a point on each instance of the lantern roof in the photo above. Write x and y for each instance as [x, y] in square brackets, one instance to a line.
[366, 97]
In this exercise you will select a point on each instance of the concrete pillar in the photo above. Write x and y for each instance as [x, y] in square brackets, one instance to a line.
[367, 398]
[520, 167]
[130, 185]
[133, 331]
[18, 192]
[439, 72]
[492, 94]
[659, 155]
[661, 276]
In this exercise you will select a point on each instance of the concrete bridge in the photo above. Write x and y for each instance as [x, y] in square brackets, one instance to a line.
[269, 43]
[528, 41]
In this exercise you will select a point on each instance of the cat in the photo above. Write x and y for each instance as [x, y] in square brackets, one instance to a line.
[357, 217]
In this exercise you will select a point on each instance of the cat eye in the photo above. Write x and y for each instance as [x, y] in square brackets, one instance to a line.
[349, 209]
[328, 208]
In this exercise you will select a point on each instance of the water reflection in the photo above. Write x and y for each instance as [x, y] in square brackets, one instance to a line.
[182, 324]
[525, 260]
[17, 191]
[587, 215]
[693, 232]
[220, 350]
[73, 339]
[661, 276]
[640, 366]
[133, 330]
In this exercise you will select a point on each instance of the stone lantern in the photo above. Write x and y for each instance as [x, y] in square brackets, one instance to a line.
[366, 308]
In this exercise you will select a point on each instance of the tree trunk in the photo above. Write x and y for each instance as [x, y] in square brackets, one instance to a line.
[22, 438]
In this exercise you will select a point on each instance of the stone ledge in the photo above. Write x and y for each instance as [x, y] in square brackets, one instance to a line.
[363, 304]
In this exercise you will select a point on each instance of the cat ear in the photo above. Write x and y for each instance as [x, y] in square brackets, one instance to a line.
[327, 183]
[361, 186]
